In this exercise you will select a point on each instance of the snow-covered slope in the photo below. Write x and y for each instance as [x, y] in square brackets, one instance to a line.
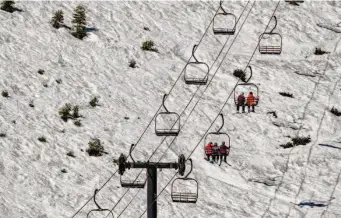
[32, 184]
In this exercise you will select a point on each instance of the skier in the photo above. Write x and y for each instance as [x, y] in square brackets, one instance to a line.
[224, 151]
[208, 150]
[251, 102]
[215, 152]
[241, 102]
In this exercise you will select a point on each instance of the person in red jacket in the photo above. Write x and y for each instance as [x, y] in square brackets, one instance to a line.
[224, 151]
[208, 150]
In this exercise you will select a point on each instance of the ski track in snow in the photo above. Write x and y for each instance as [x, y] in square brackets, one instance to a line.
[32, 184]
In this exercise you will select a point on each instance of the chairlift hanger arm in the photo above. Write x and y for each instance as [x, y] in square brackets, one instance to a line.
[163, 102]
[193, 52]
[221, 7]
[275, 25]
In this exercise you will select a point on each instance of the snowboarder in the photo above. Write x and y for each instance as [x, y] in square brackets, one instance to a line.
[224, 151]
[251, 102]
[208, 150]
[215, 152]
[241, 102]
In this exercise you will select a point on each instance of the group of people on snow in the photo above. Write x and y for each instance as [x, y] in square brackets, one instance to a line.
[251, 101]
[217, 151]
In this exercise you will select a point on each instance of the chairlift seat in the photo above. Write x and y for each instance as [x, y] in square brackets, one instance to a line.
[223, 31]
[167, 132]
[133, 184]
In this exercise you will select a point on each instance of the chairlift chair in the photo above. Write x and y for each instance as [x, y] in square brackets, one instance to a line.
[217, 133]
[272, 48]
[246, 84]
[195, 79]
[169, 131]
[132, 183]
[99, 209]
[221, 28]
[185, 197]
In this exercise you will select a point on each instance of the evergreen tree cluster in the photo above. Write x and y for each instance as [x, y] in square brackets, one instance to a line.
[9, 6]
[78, 29]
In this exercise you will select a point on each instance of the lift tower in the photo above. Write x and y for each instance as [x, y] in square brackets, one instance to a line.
[151, 168]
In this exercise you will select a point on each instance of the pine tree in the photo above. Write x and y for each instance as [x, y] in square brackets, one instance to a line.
[8, 6]
[79, 22]
[58, 19]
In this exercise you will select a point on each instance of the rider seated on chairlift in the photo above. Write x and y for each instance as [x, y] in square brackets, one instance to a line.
[251, 102]
[208, 150]
[215, 152]
[224, 151]
[241, 102]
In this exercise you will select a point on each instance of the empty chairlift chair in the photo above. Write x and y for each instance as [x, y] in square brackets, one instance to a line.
[99, 209]
[224, 23]
[181, 184]
[196, 72]
[167, 123]
[270, 42]
[131, 183]
[217, 136]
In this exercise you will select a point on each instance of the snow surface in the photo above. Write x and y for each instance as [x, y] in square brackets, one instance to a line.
[32, 184]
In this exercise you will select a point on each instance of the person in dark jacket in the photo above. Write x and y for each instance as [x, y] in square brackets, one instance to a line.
[224, 151]
[215, 152]
[241, 102]
[208, 150]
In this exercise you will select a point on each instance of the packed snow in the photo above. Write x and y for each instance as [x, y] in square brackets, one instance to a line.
[261, 178]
